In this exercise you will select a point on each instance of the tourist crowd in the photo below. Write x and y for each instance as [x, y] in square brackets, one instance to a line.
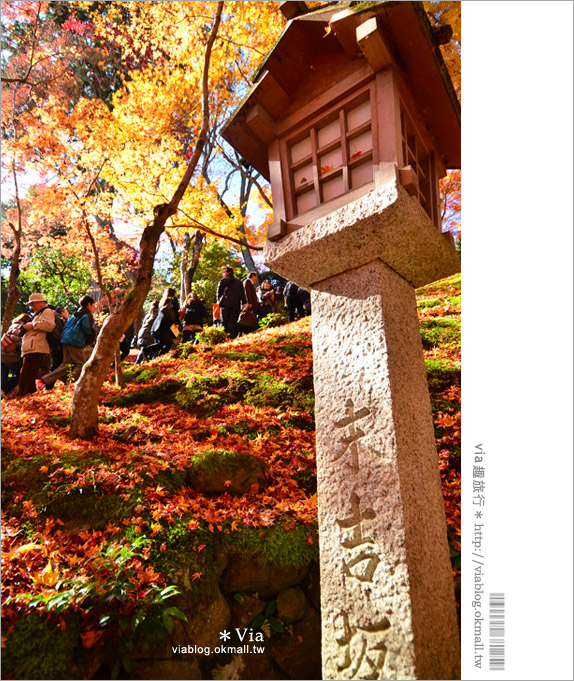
[50, 344]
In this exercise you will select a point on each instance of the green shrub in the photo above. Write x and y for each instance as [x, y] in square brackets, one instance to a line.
[273, 319]
[212, 335]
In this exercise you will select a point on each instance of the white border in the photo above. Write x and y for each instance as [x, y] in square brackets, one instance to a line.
[517, 324]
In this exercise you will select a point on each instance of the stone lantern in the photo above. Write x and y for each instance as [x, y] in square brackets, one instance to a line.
[353, 119]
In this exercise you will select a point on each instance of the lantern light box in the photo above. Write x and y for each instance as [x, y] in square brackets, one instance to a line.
[351, 96]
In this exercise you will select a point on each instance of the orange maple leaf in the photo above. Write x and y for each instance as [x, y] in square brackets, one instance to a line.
[196, 575]
[200, 548]
[227, 483]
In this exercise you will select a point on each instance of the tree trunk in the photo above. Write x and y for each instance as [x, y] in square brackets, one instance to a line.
[248, 259]
[88, 387]
[13, 293]
[245, 191]
[191, 261]
[97, 368]
[118, 368]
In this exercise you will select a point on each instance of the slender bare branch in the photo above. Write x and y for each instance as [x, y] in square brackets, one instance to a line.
[204, 228]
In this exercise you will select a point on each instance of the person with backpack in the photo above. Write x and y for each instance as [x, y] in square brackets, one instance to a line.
[80, 330]
[11, 353]
[35, 346]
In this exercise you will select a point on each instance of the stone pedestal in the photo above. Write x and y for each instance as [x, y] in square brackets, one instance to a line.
[387, 594]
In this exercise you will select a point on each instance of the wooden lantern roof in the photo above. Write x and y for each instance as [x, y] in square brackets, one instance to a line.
[392, 32]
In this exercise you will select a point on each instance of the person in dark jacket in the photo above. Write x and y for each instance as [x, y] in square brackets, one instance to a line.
[252, 302]
[80, 330]
[194, 315]
[305, 300]
[145, 339]
[230, 295]
[292, 302]
[161, 330]
[11, 353]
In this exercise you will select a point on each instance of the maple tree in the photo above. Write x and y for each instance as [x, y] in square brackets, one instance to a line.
[123, 158]
[41, 60]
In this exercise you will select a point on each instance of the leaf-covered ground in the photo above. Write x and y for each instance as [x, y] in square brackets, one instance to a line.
[92, 530]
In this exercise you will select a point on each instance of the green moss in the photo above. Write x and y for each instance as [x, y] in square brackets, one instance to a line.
[205, 395]
[62, 499]
[242, 356]
[429, 302]
[441, 375]
[454, 300]
[141, 374]
[294, 337]
[39, 649]
[269, 392]
[23, 475]
[292, 350]
[182, 557]
[440, 336]
[160, 392]
[440, 323]
[60, 420]
[89, 506]
[278, 545]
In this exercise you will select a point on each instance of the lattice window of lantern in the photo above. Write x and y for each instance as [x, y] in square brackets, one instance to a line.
[421, 160]
[332, 156]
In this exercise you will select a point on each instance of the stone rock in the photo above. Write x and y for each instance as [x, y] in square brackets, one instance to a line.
[299, 655]
[251, 666]
[167, 669]
[207, 618]
[242, 613]
[311, 585]
[246, 573]
[292, 604]
[183, 576]
[232, 478]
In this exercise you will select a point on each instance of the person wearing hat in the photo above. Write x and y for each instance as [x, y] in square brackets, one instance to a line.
[35, 346]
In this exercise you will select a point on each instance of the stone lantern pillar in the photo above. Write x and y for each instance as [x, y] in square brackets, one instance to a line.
[353, 119]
